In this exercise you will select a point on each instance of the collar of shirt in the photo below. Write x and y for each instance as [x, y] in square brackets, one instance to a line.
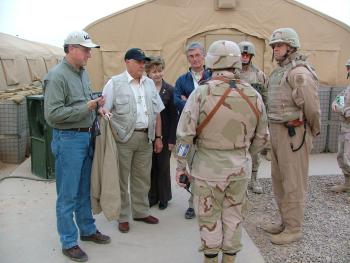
[130, 78]
[82, 69]
[197, 75]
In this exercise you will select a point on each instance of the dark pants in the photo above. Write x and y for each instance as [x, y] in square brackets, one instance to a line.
[160, 177]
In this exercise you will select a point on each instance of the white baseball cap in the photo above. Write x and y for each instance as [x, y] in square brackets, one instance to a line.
[80, 38]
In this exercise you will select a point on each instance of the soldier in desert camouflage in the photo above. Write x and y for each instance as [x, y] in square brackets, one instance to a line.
[294, 120]
[341, 105]
[222, 163]
[256, 78]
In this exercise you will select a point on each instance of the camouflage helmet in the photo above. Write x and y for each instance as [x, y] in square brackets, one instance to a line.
[223, 54]
[247, 47]
[347, 63]
[285, 35]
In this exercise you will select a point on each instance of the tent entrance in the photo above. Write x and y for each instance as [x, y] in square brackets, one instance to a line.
[231, 34]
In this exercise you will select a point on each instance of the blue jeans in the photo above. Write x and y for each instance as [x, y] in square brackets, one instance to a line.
[73, 151]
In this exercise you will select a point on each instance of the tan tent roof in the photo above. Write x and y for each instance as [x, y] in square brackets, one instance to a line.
[24, 61]
[164, 27]
[18, 46]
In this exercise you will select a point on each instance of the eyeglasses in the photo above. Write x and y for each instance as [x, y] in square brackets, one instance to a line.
[82, 48]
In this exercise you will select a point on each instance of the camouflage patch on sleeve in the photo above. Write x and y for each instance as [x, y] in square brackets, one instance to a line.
[300, 80]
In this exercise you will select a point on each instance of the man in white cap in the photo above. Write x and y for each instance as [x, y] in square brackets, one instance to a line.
[70, 110]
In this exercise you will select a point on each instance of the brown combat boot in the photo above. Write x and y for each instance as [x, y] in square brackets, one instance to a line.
[286, 237]
[226, 258]
[268, 156]
[340, 188]
[211, 258]
[272, 228]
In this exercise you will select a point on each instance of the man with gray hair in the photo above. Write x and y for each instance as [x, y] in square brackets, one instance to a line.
[184, 86]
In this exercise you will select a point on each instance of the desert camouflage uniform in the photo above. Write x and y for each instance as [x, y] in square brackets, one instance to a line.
[257, 79]
[222, 162]
[292, 95]
[342, 106]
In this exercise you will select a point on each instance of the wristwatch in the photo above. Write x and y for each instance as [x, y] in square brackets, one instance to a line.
[159, 136]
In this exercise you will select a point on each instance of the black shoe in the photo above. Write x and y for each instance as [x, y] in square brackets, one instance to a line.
[75, 253]
[98, 238]
[163, 206]
[190, 213]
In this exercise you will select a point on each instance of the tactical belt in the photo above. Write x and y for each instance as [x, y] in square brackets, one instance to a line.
[294, 123]
[290, 125]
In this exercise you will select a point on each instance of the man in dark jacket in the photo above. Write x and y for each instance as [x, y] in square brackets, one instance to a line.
[184, 86]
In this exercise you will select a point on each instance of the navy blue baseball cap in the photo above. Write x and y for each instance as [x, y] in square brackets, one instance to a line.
[137, 54]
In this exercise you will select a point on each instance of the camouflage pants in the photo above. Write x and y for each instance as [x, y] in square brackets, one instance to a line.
[219, 212]
[256, 159]
[343, 156]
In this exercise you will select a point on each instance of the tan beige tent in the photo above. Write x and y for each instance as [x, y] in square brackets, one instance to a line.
[164, 27]
[24, 61]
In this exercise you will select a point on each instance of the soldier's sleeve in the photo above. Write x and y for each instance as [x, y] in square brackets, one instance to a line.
[305, 96]
[338, 102]
[186, 129]
[263, 81]
[261, 138]
[346, 109]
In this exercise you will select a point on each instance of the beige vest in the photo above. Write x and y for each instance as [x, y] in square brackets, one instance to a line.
[281, 107]
[124, 108]
[233, 125]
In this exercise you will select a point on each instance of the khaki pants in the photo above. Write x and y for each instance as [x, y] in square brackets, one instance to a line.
[343, 156]
[135, 160]
[218, 206]
[289, 171]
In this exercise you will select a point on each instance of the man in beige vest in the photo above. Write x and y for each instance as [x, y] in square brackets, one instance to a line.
[341, 105]
[222, 162]
[257, 79]
[134, 102]
[294, 120]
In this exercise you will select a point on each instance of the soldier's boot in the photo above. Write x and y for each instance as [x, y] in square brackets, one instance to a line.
[256, 187]
[272, 228]
[286, 237]
[342, 187]
[268, 155]
[210, 258]
[228, 258]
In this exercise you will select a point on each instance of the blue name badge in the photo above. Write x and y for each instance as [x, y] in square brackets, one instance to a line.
[183, 149]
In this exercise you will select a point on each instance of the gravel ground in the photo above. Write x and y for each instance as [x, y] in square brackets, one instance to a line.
[326, 227]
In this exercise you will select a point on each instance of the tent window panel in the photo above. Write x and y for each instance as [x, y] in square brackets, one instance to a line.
[50, 63]
[37, 68]
[9, 67]
[113, 62]
[328, 74]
